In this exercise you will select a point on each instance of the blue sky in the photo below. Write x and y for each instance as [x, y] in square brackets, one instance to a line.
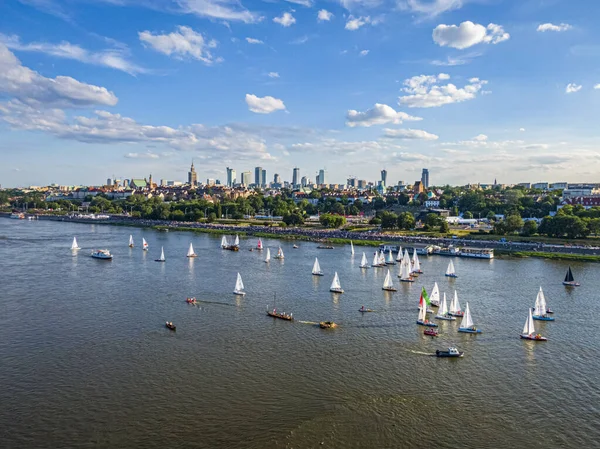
[472, 89]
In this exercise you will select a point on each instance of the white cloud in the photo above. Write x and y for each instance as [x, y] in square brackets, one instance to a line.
[452, 61]
[364, 52]
[426, 92]
[182, 43]
[307, 3]
[468, 34]
[551, 27]
[273, 75]
[572, 87]
[30, 87]
[380, 114]
[111, 58]
[231, 10]
[522, 129]
[430, 8]
[410, 134]
[597, 86]
[301, 40]
[251, 40]
[324, 16]
[285, 20]
[480, 138]
[142, 156]
[354, 23]
[264, 105]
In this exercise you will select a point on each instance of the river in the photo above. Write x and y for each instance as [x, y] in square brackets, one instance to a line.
[86, 361]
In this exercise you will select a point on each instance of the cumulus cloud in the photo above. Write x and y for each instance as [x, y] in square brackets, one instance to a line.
[597, 86]
[264, 105]
[572, 88]
[354, 23]
[430, 8]
[251, 40]
[425, 91]
[364, 52]
[112, 58]
[480, 138]
[28, 86]
[380, 114]
[273, 75]
[142, 156]
[551, 27]
[307, 3]
[183, 43]
[410, 134]
[468, 34]
[522, 129]
[324, 16]
[231, 10]
[285, 20]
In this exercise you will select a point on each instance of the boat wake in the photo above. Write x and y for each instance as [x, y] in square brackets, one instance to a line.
[423, 353]
[314, 323]
[198, 301]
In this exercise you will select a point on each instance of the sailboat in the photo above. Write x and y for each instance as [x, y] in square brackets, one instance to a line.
[316, 271]
[351, 248]
[425, 298]
[376, 263]
[540, 311]
[443, 311]
[381, 258]
[455, 306]
[162, 255]
[570, 280]
[74, 245]
[529, 330]
[450, 272]
[191, 252]
[259, 245]
[399, 256]
[279, 254]
[390, 258]
[268, 258]
[131, 241]
[467, 325]
[435, 296]
[224, 242]
[416, 263]
[237, 241]
[144, 244]
[335, 285]
[388, 285]
[405, 269]
[239, 286]
[422, 318]
[364, 263]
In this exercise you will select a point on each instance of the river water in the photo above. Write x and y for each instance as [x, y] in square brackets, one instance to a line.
[85, 359]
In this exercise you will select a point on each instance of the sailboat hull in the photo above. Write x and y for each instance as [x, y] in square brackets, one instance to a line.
[451, 276]
[318, 274]
[193, 255]
[426, 323]
[240, 293]
[445, 317]
[407, 280]
[389, 289]
[533, 337]
[336, 290]
[158, 260]
[469, 331]
[542, 318]
[459, 314]
[571, 284]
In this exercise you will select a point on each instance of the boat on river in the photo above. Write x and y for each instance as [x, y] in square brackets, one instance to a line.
[131, 241]
[327, 325]
[529, 330]
[540, 310]
[102, 254]
[455, 307]
[390, 258]
[268, 258]
[191, 252]
[416, 263]
[399, 255]
[432, 332]
[230, 247]
[280, 315]
[388, 285]
[170, 325]
[363, 309]
[316, 271]
[434, 299]
[239, 286]
[162, 255]
[422, 318]
[451, 352]
[279, 254]
[405, 269]
[144, 244]
[74, 245]
[325, 247]
[377, 261]
[351, 248]
[443, 311]
[450, 271]
[191, 300]
[335, 284]
[364, 263]
[467, 325]
[570, 280]
[259, 245]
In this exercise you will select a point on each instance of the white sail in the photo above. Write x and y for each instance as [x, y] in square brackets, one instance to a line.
[351, 248]
[543, 304]
[191, 252]
[435, 295]
[279, 254]
[335, 285]
[529, 328]
[144, 244]
[467, 321]
[237, 241]
[390, 257]
[443, 307]
[162, 253]
[422, 313]
[450, 270]
[268, 258]
[375, 259]
[381, 258]
[131, 241]
[74, 245]
[239, 285]
[405, 267]
[364, 263]
[224, 242]
[399, 256]
[259, 244]
[316, 267]
[387, 283]
[455, 305]
[416, 263]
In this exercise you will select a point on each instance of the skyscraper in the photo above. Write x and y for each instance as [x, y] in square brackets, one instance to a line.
[246, 178]
[192, 177]
[425, 178]
[231, 174]
[277, 178]
[304, 181]
[321, 177]
[296, 177]
[384, 177]
[263, 178]
[258, 176]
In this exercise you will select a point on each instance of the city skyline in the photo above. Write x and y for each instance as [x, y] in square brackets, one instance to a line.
[472, 90]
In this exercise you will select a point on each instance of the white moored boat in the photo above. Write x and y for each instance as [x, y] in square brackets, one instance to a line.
[316, 271]
[529, 330]
[162, 256]
[74, 245]
[239, 286]
[335, 285]
[268, 258]
[443, 311]
[450, 272]
[191, 252]
[455, 306]
[466, 324]
[131, 241]
[144, 244]
[405, 269]
[364, 263]
[388, 285]
[102, 254]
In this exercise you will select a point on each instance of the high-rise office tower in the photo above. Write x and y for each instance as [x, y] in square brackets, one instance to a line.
[263, 178]
[384, 176]
[258, 176]
[321, 177]
[425, 178]
[192, 176]
[304, 181]
[277, 178]
[231, 174]
[246, 178]
[296, 177]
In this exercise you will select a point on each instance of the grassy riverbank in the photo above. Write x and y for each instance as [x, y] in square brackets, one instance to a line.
[546, 255]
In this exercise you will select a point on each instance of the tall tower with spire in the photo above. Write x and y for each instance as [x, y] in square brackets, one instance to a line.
[192, 176]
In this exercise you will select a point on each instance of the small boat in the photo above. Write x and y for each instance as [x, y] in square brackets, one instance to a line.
[327, 325]
[162, 255]
[237, 240]
[467, 325]
[239, 286]
[268, 258]
[540, 311]
[434, 299]
[295, 246]
[224, 242]
[325, 247]
[451, 352]
[422, 318]
[390, 258]
[144, 244]
[191, 300]
[259, 245]
[431, 332]
[280, 315]
[376, 260]
[335, 284]
[416, 263]
[74, 245]
[351, 248]
[363, 262]
[316, 271]
[399, 256]
[455, 307]
[170, 325]
[131, 241]
[381, 258]
[443, 311]
[405, 269]
[424, 301]
[103, 254]
[529, 330]
[365, 310]
[191, 252]
[570, 280]
[450, 272]
[388, 285]
[279, 254]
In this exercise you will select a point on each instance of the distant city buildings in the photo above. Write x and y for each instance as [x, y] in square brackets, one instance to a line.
[246, 180]
[321, 177]
[296, 177]
[192, 176]
[258, 176]
[277, 178]
[263, 178]
[231, 177]
[425, 178]
[304, 181]
[384, 177]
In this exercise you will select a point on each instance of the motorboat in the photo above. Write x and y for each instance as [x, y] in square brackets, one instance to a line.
[451, 352]
[103, 254]
[280, 315]
[170, 325]
[295, 246]
[327, 325]
[431, 332]
[365, 310]
[191, 300]
[325, 247]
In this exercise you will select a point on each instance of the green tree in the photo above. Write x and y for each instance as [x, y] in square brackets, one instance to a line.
[467, 215]
[513, 223]
[389, 220]
[406, 221]
[432, 220]
[529, 228]
[444, 227]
